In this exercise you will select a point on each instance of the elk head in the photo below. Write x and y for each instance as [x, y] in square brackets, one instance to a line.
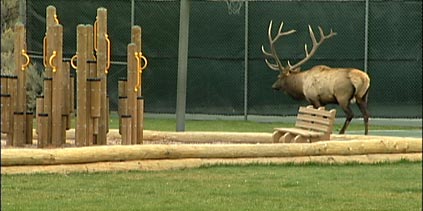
[321, 84]
[285, 71]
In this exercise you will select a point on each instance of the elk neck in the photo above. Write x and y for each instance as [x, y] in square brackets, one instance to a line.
[292, 85]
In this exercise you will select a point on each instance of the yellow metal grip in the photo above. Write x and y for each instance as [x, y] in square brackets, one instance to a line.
[95, 35]
[72, 61]
[108, 54]
[24, 66]
[45, 51]
[56, 19]
[144, 60]
[51, 61]
[140, 57]
[138, 72]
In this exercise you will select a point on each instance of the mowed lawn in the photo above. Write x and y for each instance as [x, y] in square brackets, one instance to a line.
[395, 186]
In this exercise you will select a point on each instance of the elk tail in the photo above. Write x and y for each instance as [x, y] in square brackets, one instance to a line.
[361, 83]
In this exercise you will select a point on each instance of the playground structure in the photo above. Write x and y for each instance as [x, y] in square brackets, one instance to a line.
[55, 106]
[93, 63]
[131, 101]
[16, 121]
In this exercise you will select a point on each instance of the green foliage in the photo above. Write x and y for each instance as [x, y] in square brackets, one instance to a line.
[34, 77]
[385, 186]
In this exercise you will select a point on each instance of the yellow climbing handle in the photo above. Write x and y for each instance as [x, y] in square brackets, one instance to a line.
[51, 61]
[138, 85]
[144, 60]
[95, 35]
[108, 54]
[140, 57]
[56, 19]
[24, 66]
[45, 51]
[72, 61]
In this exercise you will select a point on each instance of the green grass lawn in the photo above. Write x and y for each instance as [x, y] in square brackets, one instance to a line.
[393, 187]
[239, 125]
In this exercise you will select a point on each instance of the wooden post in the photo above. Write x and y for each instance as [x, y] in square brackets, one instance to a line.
[39, 109]
[140, 119]
[103, 65]
[81, 84]
[12, 87]
[5, 113]
[18, 129]
[58, 105]
[56, 83]
[13, 92]
[126, 129]
[42, 130]
[47, 107]
[29, 117]
[131, 89]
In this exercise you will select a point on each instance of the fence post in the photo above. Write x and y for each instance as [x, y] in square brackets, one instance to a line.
[181, 90]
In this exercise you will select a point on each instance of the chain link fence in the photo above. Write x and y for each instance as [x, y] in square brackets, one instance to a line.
[381, 37]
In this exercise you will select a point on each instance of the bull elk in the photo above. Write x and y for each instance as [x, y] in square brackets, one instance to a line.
[320, 85]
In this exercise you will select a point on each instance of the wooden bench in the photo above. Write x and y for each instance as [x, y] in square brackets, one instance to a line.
[311, 125]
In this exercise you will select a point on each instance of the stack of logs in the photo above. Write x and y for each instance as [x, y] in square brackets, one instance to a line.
[92, 100]
[55, 106]
[131, 102]
[16, 121]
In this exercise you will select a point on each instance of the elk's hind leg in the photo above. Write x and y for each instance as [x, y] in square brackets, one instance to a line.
[362, 105]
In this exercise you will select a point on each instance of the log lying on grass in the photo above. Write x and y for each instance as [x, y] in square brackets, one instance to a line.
[173, 164]
[13, 157]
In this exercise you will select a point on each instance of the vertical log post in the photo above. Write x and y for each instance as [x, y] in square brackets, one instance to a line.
[102, 44]
[83, 34]
[13, 95]
[130, 91]
[56, 106]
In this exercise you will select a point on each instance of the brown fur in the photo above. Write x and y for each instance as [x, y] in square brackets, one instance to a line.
[322, 85]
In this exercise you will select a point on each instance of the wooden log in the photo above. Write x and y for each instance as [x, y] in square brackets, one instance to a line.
[20, 46]
[83, 34]
[122, 110]
[103, 65]
[47, 105]
[19, 126]
[140, 119]
[126, 129]
[58, 98]
[42, 138]
[122, 87]
[132, 90]
[72, 94]
[5, 113]
[39, 108]
[3, 84]
[29, 117]
[169, 164]
[94, 85]
[11, 157]
[206, 137]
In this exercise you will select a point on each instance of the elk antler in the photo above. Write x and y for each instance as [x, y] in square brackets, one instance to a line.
[316, 45]
[273, 54]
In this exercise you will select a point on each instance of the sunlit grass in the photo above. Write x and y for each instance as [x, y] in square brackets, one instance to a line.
[395, 186]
